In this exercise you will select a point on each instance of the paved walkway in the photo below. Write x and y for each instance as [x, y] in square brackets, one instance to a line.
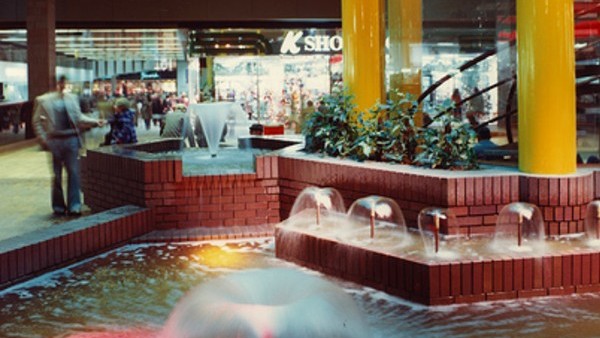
[25, 176]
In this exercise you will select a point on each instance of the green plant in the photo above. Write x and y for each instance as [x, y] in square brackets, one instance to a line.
[392, 136]
[447, 143]
[329, 129]
[390, 133]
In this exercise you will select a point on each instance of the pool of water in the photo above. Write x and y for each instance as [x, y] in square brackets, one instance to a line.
[410, 244]
[130, 292]
[229, 160]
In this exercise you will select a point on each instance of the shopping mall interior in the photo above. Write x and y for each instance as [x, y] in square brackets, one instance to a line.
[272, 227]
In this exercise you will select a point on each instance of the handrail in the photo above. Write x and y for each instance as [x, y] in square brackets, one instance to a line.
[462, 68]
[481, 92]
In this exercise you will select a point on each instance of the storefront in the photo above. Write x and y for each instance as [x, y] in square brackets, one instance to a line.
[289, 69]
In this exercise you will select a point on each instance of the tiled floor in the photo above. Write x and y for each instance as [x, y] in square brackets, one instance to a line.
[25, 176]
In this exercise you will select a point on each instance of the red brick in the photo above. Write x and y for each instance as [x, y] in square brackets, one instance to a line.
[517, 282]
[12, 265]
[568, 213]
[558, 214]
[488, 193]
[553, 193]
[4, 268]
[543, 192]
[466, 278]
[482, 210]
[441, 301]
[478, 278]
[469, 190]
[532, 293]
[586, 269]
[587, 288]
[501, 296]
[506, 196]
[497, 190]
[567, 269]
[488, 275]
[460, 192]
[472, 220]
[533, 195]
[595, 273]
[490, 220]
[561, 291]
[479, 190]
[580, 193]
[469, 299]
[538, 273]
[434, 281]
[450, 191]
[498, 275]
[514, 188]
[445, 280]
[577, 269]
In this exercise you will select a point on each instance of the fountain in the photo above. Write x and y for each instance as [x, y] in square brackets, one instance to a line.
[212, 117]
[376, 220]
[520, 228]
[430, 222]
[592, 223]
[313, 204]
[264, 304]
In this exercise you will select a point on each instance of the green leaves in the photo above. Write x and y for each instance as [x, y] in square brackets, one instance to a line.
[390, 133]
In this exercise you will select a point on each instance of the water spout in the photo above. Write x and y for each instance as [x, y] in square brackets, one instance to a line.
[316, 205]
[520, 228]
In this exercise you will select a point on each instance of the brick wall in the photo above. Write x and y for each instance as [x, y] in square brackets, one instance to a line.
[47, 249]
[116, 176]
[446, 282]
[475, 197]
[113, 178]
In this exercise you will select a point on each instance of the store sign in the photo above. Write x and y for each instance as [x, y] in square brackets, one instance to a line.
[296, 42]
[150, 76]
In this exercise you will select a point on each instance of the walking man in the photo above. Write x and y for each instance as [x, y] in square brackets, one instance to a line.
[57, 120]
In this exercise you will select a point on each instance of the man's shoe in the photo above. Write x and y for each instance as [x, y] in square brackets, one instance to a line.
[75, 213]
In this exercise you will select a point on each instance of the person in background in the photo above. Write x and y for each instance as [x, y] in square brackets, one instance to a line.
[477, 111]
[146, 111]
[456, 98]
[122, 124]
[305, 115]
[593, 160]
[177, 125]
[57, 121]
[484, 142]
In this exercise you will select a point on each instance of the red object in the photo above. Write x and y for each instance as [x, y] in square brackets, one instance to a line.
[273, 130]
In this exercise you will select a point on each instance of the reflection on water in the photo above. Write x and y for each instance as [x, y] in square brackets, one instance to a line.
[133, 290]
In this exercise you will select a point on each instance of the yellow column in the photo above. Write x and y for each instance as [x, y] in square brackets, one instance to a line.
[362, 28]
[546, 83]
[405, 19]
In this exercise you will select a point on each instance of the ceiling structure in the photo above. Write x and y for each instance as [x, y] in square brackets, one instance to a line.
[112, 44]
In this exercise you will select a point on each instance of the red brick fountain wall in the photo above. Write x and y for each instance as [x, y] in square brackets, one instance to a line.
[114, 178]
[475, 197]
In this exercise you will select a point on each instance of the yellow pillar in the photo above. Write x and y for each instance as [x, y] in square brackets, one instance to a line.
[546, 84]
[405, 19]
[362, 28]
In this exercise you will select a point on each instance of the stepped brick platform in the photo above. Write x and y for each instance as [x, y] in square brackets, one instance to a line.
[446, 282]
[47, 249]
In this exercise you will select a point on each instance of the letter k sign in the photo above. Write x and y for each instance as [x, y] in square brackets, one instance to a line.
[290, 43]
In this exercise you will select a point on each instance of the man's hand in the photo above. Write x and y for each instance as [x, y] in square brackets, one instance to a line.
[101, 123]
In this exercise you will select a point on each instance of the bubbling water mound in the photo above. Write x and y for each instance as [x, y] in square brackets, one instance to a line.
[266, 303]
